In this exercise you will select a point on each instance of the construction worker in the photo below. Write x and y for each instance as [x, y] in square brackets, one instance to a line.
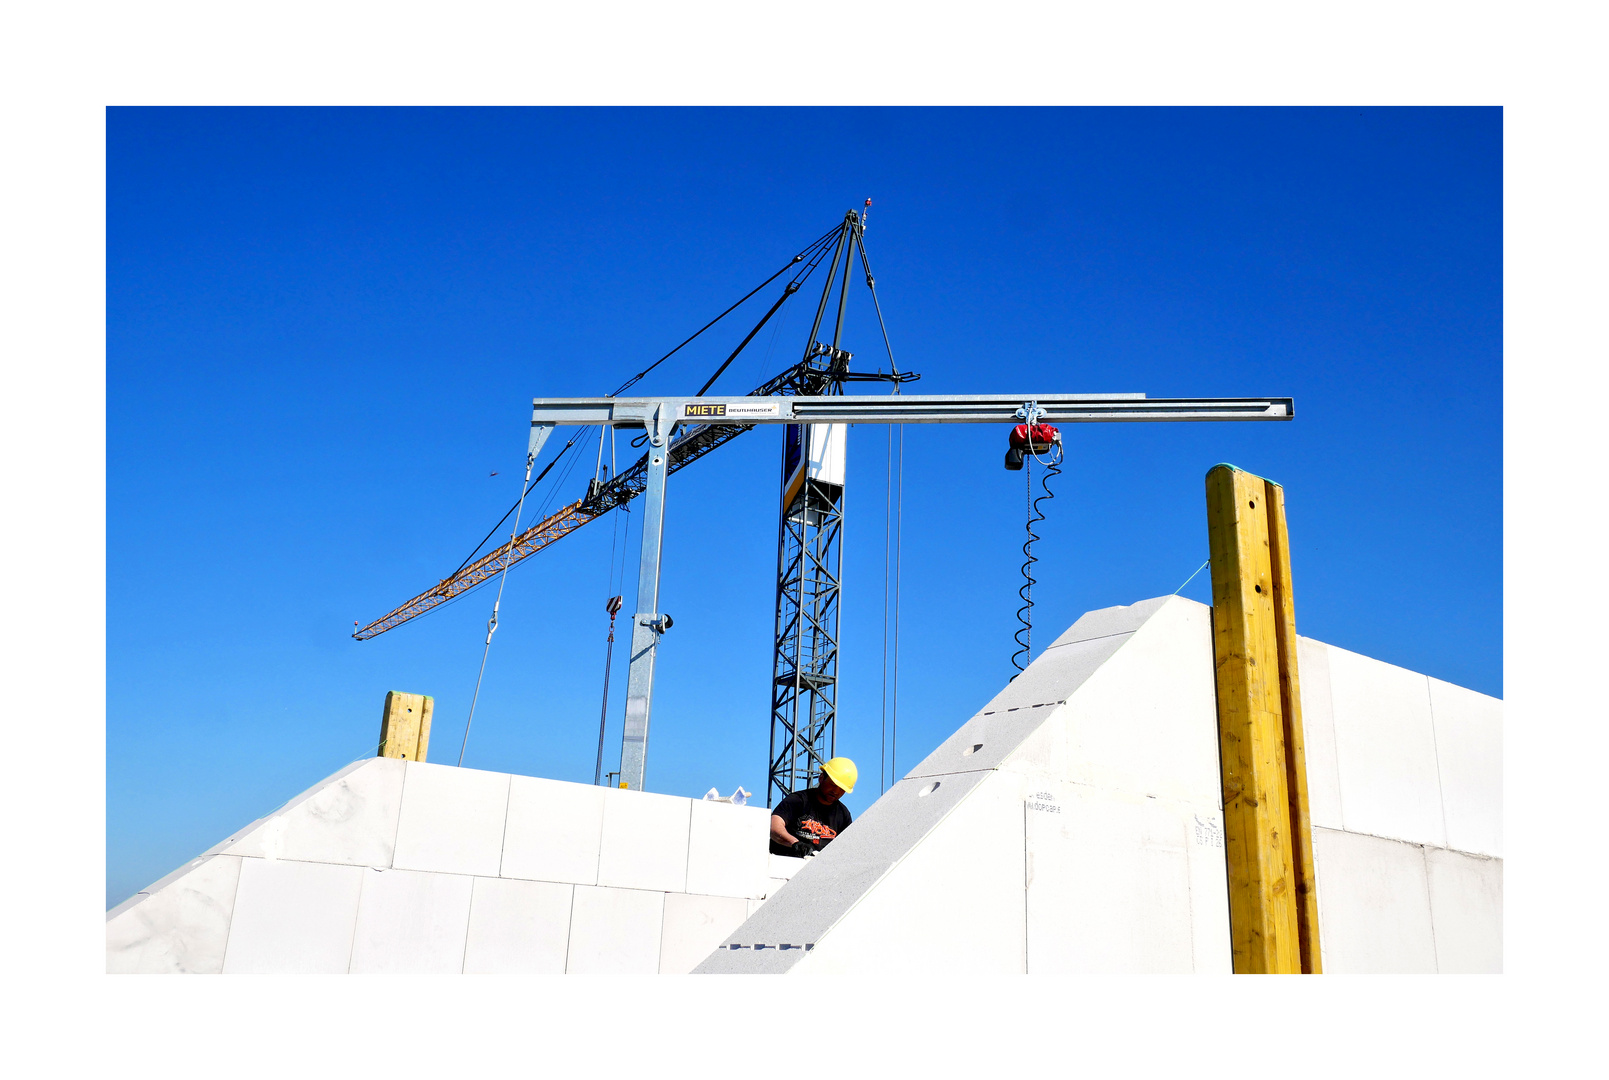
[806, 821]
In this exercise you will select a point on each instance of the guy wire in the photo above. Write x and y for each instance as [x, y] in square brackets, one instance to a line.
[491, 624]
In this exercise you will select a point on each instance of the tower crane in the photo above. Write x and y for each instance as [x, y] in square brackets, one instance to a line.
[805, 663]
[808, 398]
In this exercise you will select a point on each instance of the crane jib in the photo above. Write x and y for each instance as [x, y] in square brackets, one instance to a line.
[617, 492]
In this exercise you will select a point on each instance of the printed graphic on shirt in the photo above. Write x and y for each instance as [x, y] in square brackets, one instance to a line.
[818, 832]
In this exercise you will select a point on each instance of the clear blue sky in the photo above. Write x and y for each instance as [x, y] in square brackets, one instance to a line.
[324, 328]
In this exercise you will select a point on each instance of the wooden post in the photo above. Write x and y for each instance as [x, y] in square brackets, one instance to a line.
[405, 725]
[1273, 904]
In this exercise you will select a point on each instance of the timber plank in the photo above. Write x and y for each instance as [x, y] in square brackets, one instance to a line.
[1264, 923]
[1290, 699]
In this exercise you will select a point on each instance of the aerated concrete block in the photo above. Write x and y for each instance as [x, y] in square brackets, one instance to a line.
[554, 831]
[293, 918]
[1106, 622]
[1373, 905]
[1469, 751]
[848, 905]
[825, 886]
[180, 927]
[952, 906]
[349, 818]
[781, 866]
[693, 926]
[1108, 883]
[988, 738]
[1318, 734]
[1466, 909]
[615, 931]
[518, 927]
[644, 843]
[1385, 749]
[1145, 723]
[452, 820]
[411, 923]
[728, 850]
[1211, 946]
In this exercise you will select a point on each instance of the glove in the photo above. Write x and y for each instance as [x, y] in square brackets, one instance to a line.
[803, 847]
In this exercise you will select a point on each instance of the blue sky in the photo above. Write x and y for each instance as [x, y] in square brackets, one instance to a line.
[324, 328]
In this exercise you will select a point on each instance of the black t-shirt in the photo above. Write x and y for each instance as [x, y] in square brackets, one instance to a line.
[806, 816]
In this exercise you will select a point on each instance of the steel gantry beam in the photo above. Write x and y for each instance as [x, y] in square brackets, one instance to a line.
[904, 409]
[662, 416]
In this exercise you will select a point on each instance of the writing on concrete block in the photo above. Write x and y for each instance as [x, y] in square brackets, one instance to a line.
[1044, 801]
[1209, 833]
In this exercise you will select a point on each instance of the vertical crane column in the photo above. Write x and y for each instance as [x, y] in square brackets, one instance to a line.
[804, 686]
[647, 624]
[804, 690]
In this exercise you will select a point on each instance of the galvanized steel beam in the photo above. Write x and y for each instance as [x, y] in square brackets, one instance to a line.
[906, 409]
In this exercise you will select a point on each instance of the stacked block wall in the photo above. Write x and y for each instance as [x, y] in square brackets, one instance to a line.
[393, 866]
[1074, 824]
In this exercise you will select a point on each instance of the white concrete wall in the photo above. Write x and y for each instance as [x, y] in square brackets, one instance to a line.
[1075, 824]
[1405, 787]
[392, 866]
[1077, 850]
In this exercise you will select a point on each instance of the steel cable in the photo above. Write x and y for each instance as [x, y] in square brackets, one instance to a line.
[899, 547]
[871, 285]
[491, 624]
[524, 491]
[815, 259]
[635, 379]
[888, 539]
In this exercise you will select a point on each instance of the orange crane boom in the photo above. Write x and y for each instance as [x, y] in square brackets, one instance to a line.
[529, 542]
[691, 444]
[822, 370]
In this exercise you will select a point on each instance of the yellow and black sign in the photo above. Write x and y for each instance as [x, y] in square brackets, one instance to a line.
[728, 410]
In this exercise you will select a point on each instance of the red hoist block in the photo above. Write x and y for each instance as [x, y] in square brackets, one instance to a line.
[1030, 439]
[1039, 437]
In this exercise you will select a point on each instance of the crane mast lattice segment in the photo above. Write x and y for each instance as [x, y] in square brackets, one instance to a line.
[804, 687]
[804, 682]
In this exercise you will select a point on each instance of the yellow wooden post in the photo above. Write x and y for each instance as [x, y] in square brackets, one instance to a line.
[405, 725]
[1273, 904]
[427, 709]
[1290, 701]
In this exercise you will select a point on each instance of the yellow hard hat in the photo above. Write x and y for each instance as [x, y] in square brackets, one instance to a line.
[842, 772]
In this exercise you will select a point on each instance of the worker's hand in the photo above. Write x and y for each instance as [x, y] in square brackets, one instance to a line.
[803, 847]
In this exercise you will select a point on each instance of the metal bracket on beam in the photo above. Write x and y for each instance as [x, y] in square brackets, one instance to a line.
[660, 424]
[540, 430]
